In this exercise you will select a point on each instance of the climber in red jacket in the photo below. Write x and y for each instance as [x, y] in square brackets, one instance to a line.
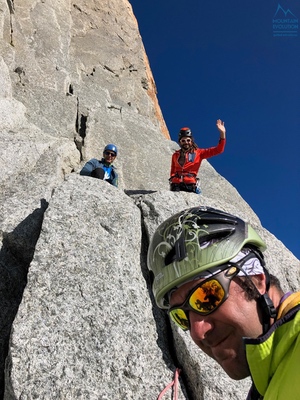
[186, 161]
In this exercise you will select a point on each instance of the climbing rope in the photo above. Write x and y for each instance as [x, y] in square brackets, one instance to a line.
[173, 383]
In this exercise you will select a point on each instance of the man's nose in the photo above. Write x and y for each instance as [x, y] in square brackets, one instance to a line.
[200, 326]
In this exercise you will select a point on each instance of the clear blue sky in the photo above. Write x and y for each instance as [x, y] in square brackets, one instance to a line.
[240, 62]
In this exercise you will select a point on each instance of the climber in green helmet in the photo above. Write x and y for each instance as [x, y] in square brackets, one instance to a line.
[209, 274]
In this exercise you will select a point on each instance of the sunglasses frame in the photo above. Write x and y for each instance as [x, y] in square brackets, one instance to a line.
[185, 140]
[224, 278]
[110, 153]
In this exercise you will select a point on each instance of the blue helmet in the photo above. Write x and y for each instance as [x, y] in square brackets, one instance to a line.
[111, 147]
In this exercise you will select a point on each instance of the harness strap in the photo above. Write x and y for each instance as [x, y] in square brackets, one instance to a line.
[185, 174]
[182, 175]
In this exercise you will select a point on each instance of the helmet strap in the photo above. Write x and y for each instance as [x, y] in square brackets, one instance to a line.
[268, 310]
[263, 300]
[265, 303]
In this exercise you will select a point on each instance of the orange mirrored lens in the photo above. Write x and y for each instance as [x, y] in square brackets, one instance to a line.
[180, 318]
[207, 297]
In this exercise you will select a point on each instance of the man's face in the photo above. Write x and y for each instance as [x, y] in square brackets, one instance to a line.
[109, 156]
[220, 333]
[185, 143]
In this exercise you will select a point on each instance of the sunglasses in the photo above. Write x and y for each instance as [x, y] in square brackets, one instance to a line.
[185, 140]
[110, 153]
[204, 298]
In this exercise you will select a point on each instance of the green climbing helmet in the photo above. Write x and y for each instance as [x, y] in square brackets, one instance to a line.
[193, 241]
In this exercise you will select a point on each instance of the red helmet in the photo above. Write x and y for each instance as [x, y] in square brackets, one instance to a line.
[185, 132]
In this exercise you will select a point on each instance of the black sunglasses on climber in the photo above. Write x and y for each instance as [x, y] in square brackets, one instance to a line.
[110, 153]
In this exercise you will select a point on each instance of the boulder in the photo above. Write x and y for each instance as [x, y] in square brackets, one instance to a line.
[77, 317]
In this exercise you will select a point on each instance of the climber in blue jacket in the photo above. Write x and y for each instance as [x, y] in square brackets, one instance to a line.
[103, 169]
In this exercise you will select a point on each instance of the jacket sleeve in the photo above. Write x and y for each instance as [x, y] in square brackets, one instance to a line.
[115, 179]
[89, 167]
[213, 151]
[173, 166]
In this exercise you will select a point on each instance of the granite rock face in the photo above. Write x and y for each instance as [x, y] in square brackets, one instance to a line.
[77, 318]
[89, 330]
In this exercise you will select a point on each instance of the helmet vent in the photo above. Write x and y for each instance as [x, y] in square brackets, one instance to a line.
[177, 253]
[217, 236]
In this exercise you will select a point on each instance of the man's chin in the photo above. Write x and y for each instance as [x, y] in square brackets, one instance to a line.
[235, 370]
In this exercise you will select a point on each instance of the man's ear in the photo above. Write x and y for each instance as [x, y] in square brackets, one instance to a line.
[260, 282]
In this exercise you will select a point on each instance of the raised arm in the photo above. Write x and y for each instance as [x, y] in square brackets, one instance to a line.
[221, 128]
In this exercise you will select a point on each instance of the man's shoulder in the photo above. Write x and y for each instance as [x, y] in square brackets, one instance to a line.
[289, 303]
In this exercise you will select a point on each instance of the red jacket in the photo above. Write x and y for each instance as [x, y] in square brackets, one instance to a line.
[188, 172]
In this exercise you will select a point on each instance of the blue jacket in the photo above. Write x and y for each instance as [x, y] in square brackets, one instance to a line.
[110, 175]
